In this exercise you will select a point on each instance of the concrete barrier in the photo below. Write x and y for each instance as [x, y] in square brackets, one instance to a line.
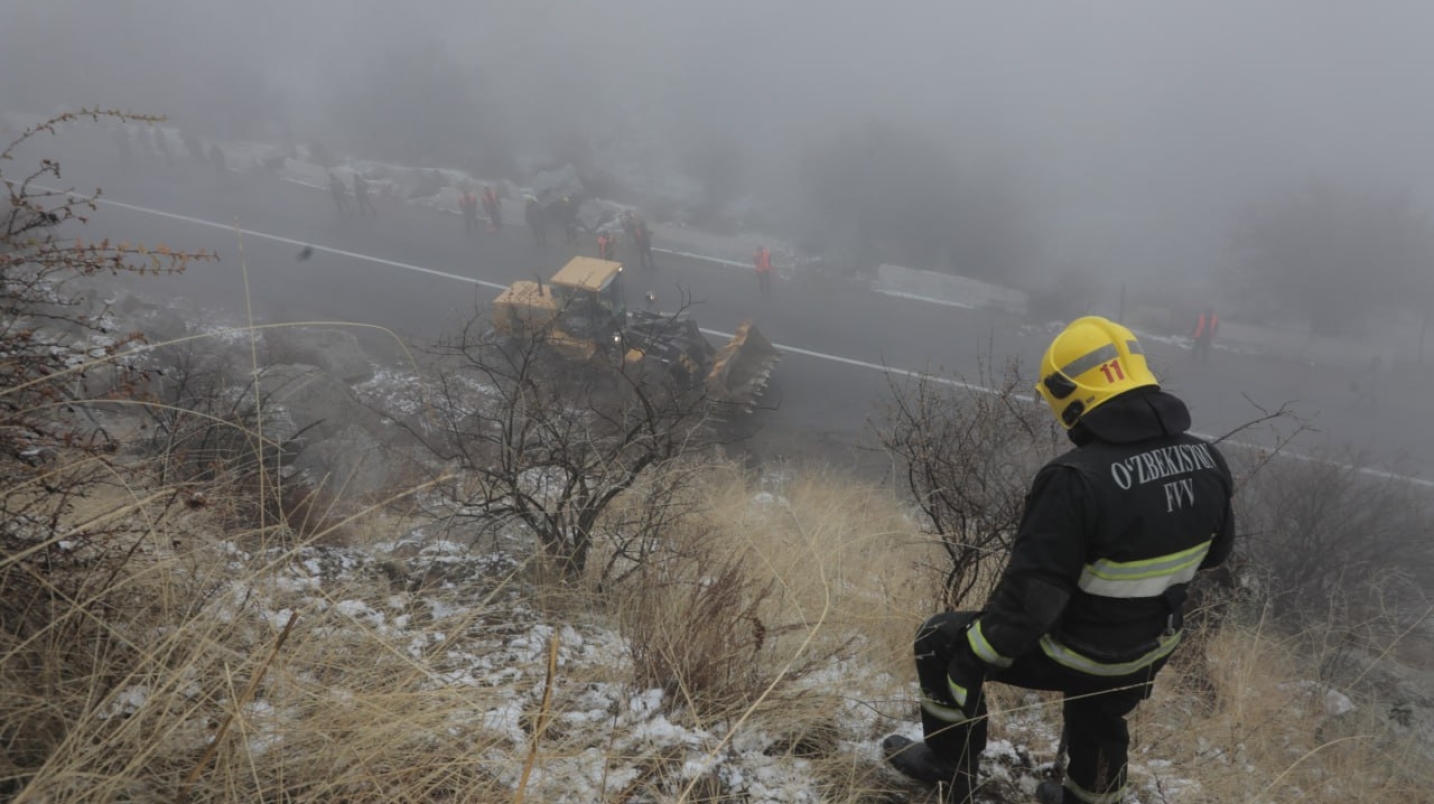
[960, 291]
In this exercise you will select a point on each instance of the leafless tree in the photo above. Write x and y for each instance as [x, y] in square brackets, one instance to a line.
[549, 444]
[967, 452]
[58, 352]
[1331, 533]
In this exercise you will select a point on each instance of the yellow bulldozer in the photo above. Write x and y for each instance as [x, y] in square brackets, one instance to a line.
[581, 315]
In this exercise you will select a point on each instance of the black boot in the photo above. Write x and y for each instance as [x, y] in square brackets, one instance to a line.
[917, 761]
[1050, 791]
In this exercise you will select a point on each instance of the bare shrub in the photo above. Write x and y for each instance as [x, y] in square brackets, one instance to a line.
[1328, 540]
[206, 431]
[51, 338]
[549, 444]
[639, 522]
[967, 453]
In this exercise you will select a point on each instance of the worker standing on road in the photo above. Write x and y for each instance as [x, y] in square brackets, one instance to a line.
[604, 246]
[643, 237]
[534, 217]
[340, 194]
[762, 260]
[629, 228]
[468, 203]
[1206, 325]
[568, 213]
[1090, 604]
[361, 199]
[494, 208]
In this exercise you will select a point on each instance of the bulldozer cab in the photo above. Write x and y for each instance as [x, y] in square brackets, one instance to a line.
[590, 295]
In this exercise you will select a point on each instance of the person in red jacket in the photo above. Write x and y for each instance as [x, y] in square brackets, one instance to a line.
[468, 202]
[494, 208]
[762, 261]
[1091, 601]
[1206, 325]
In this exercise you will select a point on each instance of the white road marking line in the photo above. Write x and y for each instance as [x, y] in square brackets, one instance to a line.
[300, 243]
[908, 373]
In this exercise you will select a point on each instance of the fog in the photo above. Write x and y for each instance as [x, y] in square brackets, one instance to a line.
[1113, 136]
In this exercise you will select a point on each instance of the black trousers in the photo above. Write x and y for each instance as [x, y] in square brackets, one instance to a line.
[1094, 709]
[1200, 352]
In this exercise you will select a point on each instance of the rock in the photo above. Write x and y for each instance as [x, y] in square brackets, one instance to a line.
[159, 324]
[351, 465]
[333, 350]
[314, 399]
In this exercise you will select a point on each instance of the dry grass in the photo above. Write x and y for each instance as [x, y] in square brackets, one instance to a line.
[777, 611]
[1255, 726]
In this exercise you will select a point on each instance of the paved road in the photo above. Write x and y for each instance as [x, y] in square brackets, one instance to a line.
[838, 334]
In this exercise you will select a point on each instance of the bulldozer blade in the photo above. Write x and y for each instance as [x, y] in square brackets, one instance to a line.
[742, 367]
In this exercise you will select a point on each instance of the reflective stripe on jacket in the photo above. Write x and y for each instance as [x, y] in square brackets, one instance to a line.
[1110, 536]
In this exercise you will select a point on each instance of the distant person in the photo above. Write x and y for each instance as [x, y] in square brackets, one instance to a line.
[568, 214]
[1365, 387]
[629, 225]
[468, 203]
[533, 216]
[604, 246]
[762, 261]
[361, 197]
[340, 194]
[644, 243]
[494, 208]
[1206, 325]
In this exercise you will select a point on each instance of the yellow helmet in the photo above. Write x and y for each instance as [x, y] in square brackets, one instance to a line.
[1092, 361]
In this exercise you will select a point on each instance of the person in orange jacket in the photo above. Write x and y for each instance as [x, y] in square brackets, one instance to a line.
[1206, 325]
[604, 245]
[494, 208]
[468, 202]
[762, 260]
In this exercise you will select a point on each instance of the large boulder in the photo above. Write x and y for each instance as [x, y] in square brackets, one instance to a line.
[335, 351]
[351, 465]
[316, 402]
[159, 323]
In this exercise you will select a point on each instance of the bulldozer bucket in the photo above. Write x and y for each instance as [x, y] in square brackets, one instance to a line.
[741, 368]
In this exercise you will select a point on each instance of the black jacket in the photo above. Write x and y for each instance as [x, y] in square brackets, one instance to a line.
[1111, 534]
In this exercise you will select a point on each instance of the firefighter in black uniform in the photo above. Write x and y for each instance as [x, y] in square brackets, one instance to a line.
[1090, 602]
